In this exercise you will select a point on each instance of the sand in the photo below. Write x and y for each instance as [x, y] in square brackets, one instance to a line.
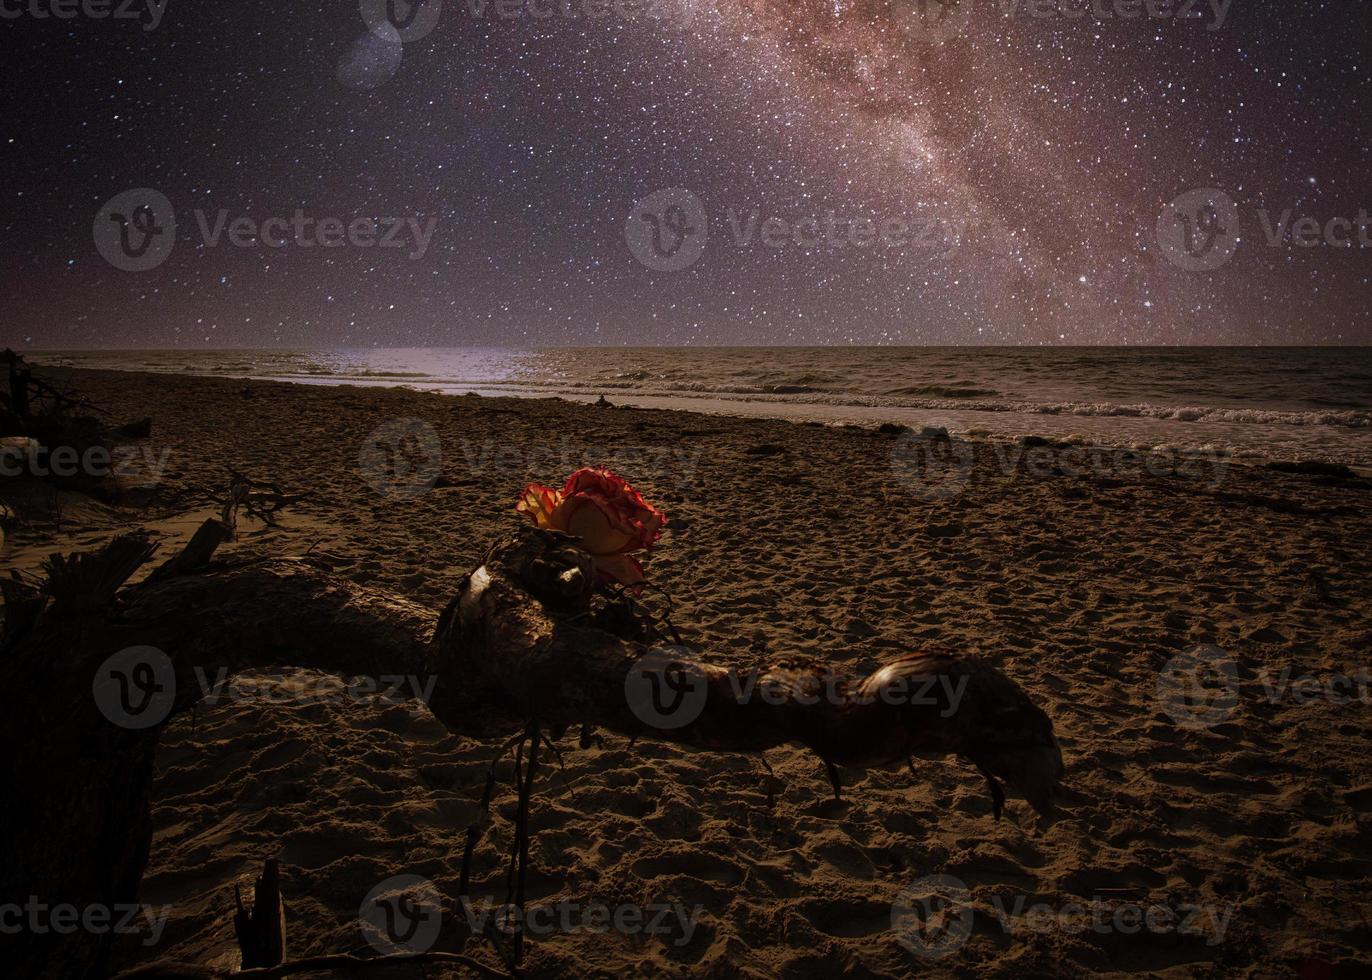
[792, 538]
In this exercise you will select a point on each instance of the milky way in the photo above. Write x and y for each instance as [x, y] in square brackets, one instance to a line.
[864, 171]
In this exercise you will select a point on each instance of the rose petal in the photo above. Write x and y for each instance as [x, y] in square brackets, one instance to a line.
[622, 569]
[584, 517]
[539, 504]
[624, 506]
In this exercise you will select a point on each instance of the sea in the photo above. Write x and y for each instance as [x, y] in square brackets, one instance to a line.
[1263, 403]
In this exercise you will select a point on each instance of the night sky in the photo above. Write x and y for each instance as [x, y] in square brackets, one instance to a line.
[1031, 159]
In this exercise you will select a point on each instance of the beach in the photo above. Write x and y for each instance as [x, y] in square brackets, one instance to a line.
[1090, 576]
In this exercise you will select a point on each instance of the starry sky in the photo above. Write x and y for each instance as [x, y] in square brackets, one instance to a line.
[1032, 150]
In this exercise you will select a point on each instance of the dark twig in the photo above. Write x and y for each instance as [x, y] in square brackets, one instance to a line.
[522, 836]
[561, 767]
[257, 499]
[768, 780]
[834, 779]
[483, 819]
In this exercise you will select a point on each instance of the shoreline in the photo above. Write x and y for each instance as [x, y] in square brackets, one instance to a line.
[1290, 442]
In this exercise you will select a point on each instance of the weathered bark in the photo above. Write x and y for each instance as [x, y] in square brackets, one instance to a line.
[562, 667]
[523, 630]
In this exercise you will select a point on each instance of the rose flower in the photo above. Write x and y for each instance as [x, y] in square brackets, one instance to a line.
[610, 517]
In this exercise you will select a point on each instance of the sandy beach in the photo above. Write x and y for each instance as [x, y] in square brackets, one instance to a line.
[1083, 576]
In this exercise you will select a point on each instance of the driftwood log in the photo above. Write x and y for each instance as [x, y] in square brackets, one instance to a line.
[563, 667]
[526, 641]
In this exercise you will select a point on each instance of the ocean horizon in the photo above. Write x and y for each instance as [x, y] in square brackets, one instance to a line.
[1260, 402]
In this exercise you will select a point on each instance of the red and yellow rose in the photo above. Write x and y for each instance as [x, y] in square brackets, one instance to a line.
[611, 519]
